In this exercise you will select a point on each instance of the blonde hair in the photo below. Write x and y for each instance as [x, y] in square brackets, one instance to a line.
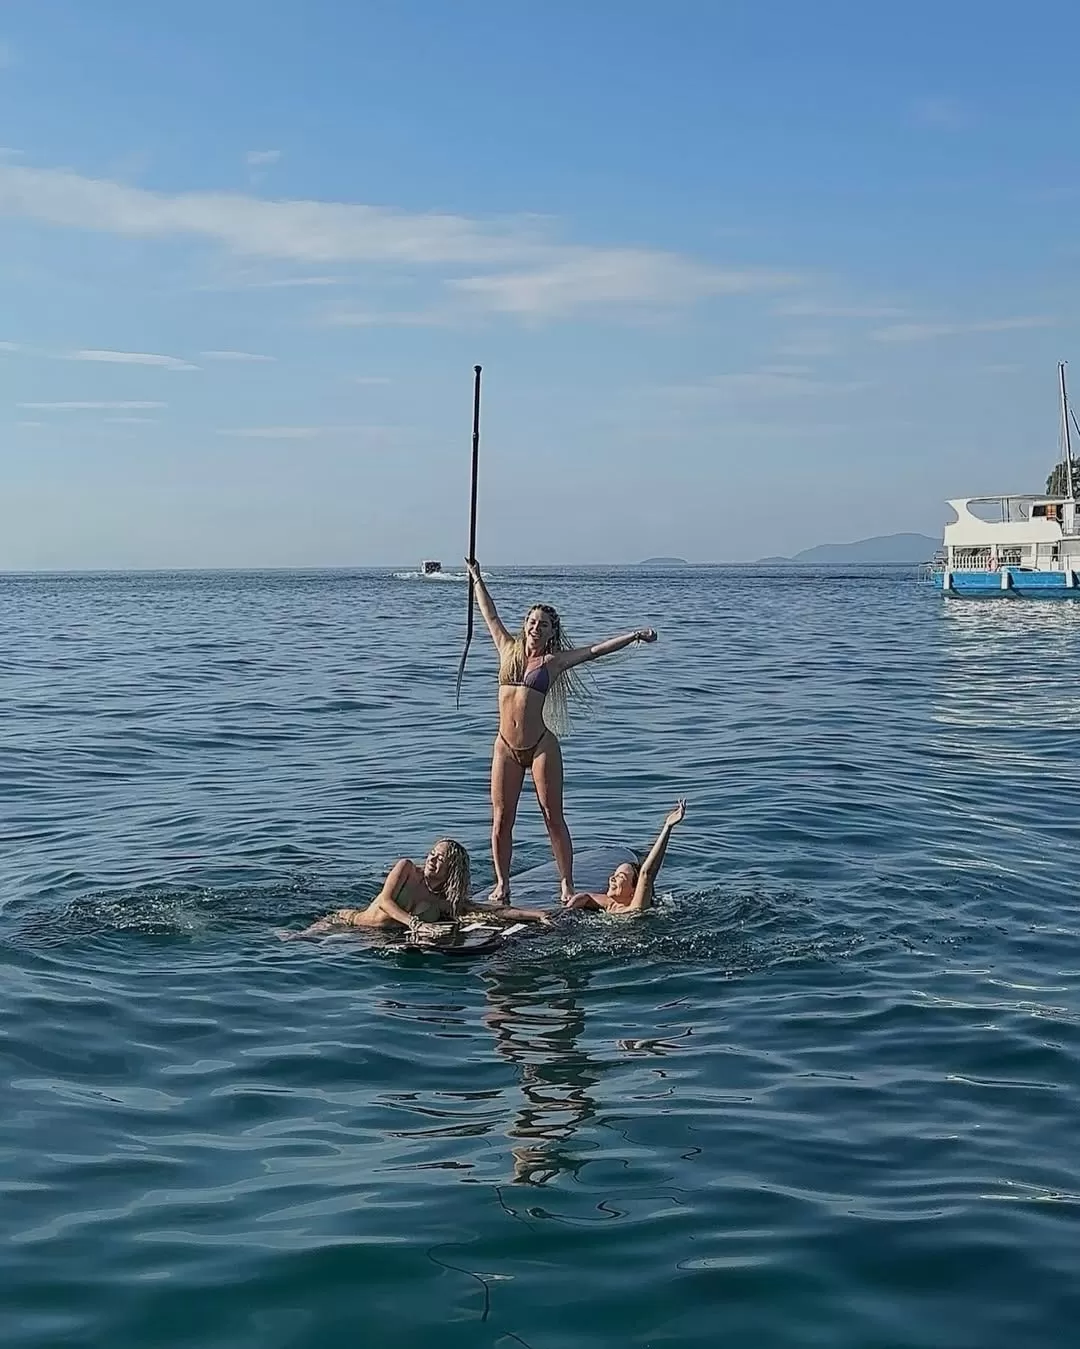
[564, 686]
[456, 885]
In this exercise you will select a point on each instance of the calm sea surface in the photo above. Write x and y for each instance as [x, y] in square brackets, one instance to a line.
[828, 1094]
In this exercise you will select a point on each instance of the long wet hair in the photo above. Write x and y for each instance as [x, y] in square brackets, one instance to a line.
[564, 686]
[455, 886]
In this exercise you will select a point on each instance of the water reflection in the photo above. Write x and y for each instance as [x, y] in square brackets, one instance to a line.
[978, 618]
[537, 1020]
[1007, 663]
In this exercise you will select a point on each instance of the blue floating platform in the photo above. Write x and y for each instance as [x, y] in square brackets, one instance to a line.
[1009, 582]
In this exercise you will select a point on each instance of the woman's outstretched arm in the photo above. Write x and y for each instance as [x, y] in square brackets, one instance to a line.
[578, 655]
[395, 881]
[500, 635]
[650, 868]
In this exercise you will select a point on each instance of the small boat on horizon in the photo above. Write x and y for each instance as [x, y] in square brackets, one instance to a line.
[1025, 545]
[431, 570]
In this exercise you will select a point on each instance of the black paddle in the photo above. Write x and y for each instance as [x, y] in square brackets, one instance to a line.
[472, 526]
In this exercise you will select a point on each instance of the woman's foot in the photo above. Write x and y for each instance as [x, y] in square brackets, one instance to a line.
[566, 892]
[501, 893]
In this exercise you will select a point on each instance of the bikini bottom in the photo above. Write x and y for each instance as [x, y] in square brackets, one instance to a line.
[525, 755]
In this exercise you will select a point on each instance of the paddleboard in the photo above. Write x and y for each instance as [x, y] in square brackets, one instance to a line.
[449, 939]
[538, 887]
[535, 888]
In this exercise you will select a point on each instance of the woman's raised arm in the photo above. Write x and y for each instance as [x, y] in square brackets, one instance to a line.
[578, 655]
[650, 868]
[499, 633]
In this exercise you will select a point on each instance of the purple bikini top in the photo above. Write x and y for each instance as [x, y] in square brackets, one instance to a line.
[538, 679]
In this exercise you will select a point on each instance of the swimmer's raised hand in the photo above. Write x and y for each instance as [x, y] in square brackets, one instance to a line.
[677, 815]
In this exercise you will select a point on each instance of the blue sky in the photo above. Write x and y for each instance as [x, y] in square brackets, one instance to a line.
[742, 278]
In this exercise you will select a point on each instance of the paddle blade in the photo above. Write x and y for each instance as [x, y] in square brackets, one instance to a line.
[460, 673]
[465, 652]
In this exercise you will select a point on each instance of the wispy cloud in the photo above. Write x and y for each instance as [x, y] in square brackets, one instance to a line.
[234, 356]
[926, 332]
[304, 231]
[112, 406]
[103, 356]
[588, 277]
[7, 55]
[133, 421]
[132, 358]
[531, 275]
[369, 379]
[273, 283]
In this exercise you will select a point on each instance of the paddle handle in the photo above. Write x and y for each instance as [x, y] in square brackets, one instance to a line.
[475, 467]
[472, 526]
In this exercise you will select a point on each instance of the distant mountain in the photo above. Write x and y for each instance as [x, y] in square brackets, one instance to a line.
[902, 549]
[664, 562]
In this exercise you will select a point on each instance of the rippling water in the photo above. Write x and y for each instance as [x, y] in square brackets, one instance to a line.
[826, 1095]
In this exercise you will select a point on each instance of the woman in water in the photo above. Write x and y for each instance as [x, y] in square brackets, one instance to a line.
[630, 887]
[415, 897]
[535, 681]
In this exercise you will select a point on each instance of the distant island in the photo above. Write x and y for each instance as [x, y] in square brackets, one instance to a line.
[902, 549]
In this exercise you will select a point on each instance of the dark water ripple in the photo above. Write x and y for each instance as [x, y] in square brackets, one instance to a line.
[826, 1095]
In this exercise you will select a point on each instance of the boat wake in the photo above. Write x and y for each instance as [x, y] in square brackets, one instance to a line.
[455, 576]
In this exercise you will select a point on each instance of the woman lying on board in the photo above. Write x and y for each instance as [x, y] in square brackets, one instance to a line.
[416, 897]
[630, 887]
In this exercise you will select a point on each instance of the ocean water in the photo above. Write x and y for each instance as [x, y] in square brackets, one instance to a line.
[827, 1094]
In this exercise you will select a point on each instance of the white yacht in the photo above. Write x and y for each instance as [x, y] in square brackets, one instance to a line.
[1026, 545]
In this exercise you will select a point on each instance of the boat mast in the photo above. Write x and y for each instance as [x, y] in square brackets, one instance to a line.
[1065, 431]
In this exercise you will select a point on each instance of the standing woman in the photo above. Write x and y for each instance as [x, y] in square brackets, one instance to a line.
[535, 684]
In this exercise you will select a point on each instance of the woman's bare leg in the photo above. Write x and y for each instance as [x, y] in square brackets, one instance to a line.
[547, 771]
[507, 775]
